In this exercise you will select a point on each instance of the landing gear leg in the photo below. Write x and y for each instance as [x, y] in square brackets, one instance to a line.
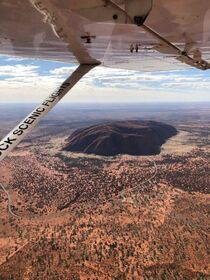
[24, 127]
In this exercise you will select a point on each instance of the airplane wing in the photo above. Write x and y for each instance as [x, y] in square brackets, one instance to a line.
[141, 35]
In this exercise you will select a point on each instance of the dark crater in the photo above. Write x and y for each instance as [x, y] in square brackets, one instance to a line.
[121, 137]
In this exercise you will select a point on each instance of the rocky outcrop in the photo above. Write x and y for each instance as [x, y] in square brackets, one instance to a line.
[121, 137]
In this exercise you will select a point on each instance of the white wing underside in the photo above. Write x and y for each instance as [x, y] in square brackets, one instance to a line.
[24, 32]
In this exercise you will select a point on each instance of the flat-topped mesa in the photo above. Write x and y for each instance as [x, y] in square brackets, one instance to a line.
[121, 137]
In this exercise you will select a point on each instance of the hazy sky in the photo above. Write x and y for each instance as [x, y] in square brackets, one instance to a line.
[27, 80]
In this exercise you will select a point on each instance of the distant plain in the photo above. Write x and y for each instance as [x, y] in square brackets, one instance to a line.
[94, 217]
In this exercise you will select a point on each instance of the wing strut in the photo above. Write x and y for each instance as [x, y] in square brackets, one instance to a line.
[26, 125]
